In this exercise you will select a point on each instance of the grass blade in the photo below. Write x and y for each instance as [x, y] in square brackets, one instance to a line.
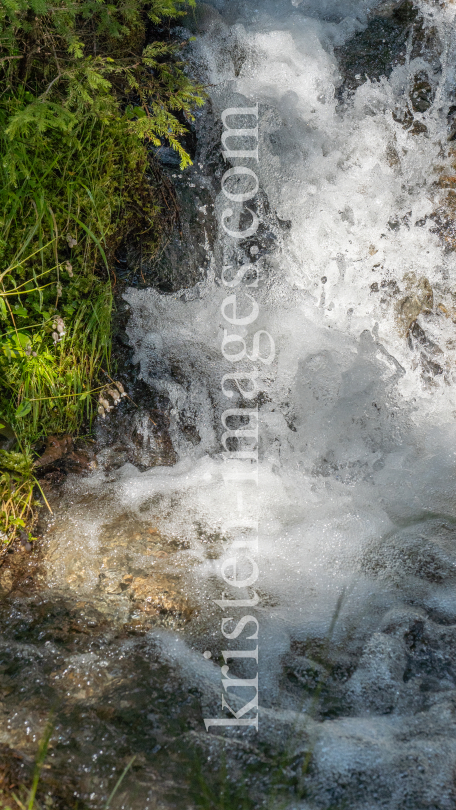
[119, 782]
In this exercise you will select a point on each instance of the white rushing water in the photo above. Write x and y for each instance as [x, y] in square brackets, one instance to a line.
[357, 433]
[357, 424]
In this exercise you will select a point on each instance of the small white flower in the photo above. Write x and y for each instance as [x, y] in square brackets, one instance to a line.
[55, 337]
[69, 269]
[114, 394]
[120, 389]
[71, 240]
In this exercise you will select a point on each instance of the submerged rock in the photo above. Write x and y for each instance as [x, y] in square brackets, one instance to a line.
[6, 581]
[420, 298]
[160, 595]
[375, 686]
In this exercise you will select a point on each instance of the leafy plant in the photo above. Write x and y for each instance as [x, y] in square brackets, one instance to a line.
[18, 502]
[82, 96]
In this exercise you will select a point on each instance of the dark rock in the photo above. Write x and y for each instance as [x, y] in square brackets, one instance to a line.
[56, 448]
[167, 157]
[183, 256]
[375, 51]
[60, 457]
[423, 552]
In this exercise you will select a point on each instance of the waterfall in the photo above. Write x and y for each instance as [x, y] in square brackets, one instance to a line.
[351, 270]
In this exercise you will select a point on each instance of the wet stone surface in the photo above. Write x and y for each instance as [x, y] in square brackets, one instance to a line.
[382, 45]
[136, 430]
[126, 567]
[111, 695]
[184, 256]
[394, 34]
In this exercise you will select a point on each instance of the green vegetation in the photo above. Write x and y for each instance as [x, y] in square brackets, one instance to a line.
[82, 95]
[17, 485]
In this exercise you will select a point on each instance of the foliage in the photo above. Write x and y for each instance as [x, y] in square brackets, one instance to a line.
[18, 503]
[82, 96]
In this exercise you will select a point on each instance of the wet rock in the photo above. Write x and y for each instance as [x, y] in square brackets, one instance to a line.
[382, 762]
[420, 298]
[445, 214]
[110, 582]
[6, 581]
[126, 565]
[425, 552]
[417, 335]
[183, 257]
[402, 11]
[167, 157]
[431, 355]
[202, 19]
[422, 94]
[102, 687]
[395, 32]
[375, 51]
[127, 531]
[431, 369]
[376, 685]
[137, 430]
[430, 655]
[398, 621]
[315, 674]
[305, 672]
[403, 693]
[77, 575]
[83, 677]
[161, 594]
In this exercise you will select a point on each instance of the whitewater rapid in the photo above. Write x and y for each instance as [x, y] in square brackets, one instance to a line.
[357, 427]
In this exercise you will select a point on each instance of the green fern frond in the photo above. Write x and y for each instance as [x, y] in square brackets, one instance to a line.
[39, 116]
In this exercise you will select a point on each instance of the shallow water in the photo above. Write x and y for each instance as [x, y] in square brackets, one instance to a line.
[355, 495]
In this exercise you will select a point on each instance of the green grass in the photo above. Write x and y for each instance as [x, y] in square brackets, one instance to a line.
[81, 96]
[17, 493]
